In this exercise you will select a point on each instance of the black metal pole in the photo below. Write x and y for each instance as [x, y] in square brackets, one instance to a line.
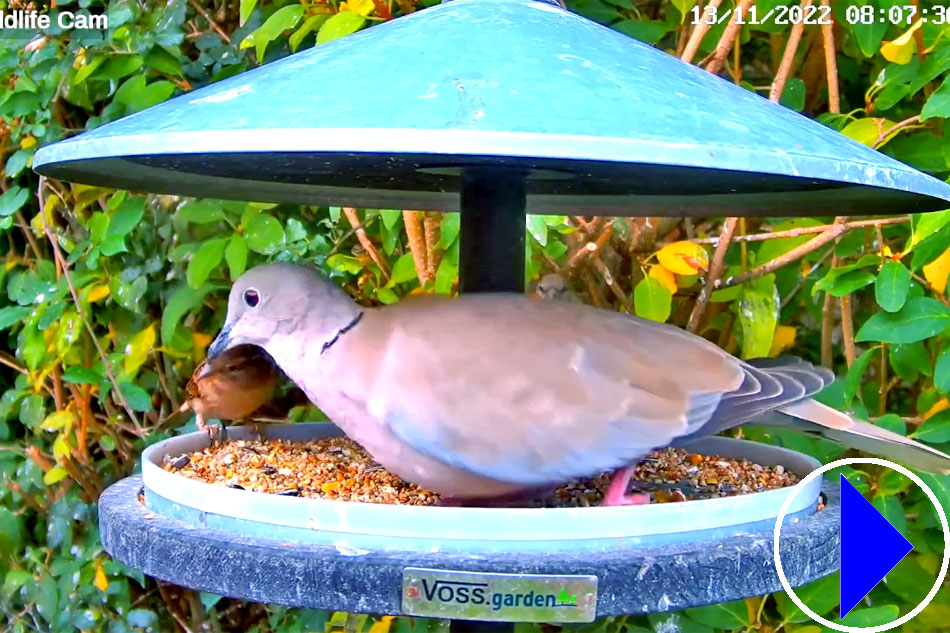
[491, 248]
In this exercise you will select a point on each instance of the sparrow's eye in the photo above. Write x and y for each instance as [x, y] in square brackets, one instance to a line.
[251, 297]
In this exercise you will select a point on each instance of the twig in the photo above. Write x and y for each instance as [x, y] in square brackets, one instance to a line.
[214, 25]
[788, 58]
[725, 42]
[432, 223]
[28, 232]
[82, 316]
[831, 63]
[10, 361]
[417, 244]
[827, 313]
[367, 243]
[929, 287]
[805, 230]
[716, 268]
[801, 282]
[699, 32]
[847, 330]
[608, 278]
[882, 390]
[886, 135]
[791, 256]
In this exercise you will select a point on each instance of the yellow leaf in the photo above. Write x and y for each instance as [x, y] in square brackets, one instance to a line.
[101, 582]
[936, 272]
[784, 337]
[383, 625]
[901, 50]
[55, 475]
[683, 258]
[97, 293]
[28, 142]
[665, 277]
[138, 348]
[939, 405]
[201, 340]
[61, 448]
[363, 7]
[57, 420]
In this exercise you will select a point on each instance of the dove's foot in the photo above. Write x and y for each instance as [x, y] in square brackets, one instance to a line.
[217, 434]
[617, 492]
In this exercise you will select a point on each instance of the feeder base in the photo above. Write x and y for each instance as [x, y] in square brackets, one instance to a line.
[631, 579]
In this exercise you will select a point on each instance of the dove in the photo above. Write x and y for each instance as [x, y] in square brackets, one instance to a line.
[231, 386]
[553, 287]
[489, 394]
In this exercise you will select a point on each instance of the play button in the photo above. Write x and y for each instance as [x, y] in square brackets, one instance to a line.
[870, 546]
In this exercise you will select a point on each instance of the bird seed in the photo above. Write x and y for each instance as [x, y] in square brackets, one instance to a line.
[337, 468]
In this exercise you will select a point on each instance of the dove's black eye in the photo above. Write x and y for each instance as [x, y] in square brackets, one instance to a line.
[251, 297]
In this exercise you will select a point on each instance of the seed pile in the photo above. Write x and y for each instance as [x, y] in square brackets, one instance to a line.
[337, 468]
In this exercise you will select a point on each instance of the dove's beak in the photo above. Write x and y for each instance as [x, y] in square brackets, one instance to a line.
[221, 342]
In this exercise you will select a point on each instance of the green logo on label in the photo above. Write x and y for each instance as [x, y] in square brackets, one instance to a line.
[565, 600]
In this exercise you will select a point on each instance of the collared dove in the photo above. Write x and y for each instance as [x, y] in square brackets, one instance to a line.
[231, 386]
[489, 394]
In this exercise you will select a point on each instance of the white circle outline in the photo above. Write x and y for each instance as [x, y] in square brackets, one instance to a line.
[861, 629]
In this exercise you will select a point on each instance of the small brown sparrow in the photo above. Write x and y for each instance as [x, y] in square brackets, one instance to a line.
[231, 386]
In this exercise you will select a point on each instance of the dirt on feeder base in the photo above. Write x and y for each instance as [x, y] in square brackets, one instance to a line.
[339, 469]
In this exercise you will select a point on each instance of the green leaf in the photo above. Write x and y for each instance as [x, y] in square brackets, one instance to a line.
[852, 380]
[728, 615]
[926, 224]
[137, 398]
[205, 260]
[905, 580]
[872, 616]
[235, 254]
[13, 200]
[200, 212]
[938, 105]
[920, 318]
[448, 270]
[451, 223]
[113, 245]
[892, 422]
[793, 96]
[77, 374]
[929, 248]
[652, 300]
[942, 372]
[311, 24]
[142, 618]
[390, 217]
[14, 314]
[684, 7]
[10, 536]
[98, 227]
[891, 286]
[264, 234]
[538, 228]
[182, 300]
[869, 36]
[127, 217]
[843, 281]
[676, 622]
[247, 8]
[758, 316]
[344, 263]
[281, 20]
[910, 360]
[648, 31]
[935, 430]
[340, 25]
[87, 69]
[386, 296]
[118, 67]
[820, 596]
[404, 269]
[153, 94]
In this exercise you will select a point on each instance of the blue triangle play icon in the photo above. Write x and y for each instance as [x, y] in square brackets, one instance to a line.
[870, 547]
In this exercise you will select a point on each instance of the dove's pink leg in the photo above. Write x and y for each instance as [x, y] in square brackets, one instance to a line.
[617, 492]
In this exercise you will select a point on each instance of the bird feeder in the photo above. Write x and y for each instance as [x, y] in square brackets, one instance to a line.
[495, 108]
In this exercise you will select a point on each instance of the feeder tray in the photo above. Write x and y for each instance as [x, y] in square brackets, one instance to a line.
[364, 557]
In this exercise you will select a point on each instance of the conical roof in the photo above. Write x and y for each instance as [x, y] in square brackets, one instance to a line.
[389, 116]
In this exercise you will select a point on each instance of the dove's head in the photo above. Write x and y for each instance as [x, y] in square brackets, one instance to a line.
[284, 309]
[553, 287]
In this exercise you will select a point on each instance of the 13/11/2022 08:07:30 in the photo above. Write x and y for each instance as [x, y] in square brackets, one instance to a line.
[798, 14]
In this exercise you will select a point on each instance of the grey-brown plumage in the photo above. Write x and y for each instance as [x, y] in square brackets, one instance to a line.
[488, 394]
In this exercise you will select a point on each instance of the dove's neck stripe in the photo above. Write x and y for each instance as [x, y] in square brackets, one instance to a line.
[336, 336]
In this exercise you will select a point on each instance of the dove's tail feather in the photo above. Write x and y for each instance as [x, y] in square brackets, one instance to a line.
[813, 417]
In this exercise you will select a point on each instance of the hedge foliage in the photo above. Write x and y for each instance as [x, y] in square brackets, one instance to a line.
[112, 297]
